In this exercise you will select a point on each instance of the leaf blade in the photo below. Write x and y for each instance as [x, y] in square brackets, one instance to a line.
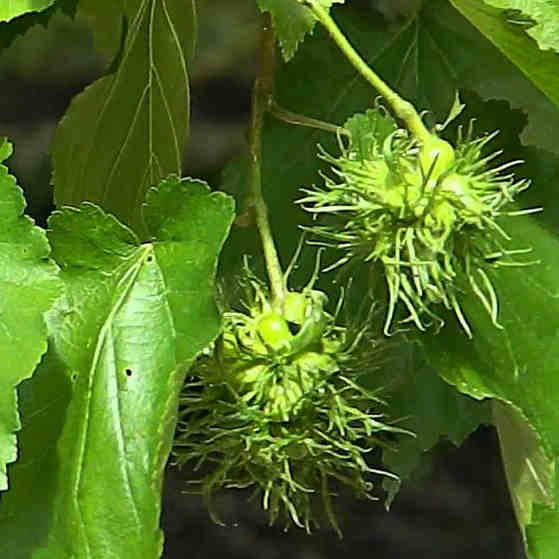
[515, 45]
[139, 115]
[134, 317]
[518, 366]
[292, 22]
[29, 285]
[16, 8]
[539, 18]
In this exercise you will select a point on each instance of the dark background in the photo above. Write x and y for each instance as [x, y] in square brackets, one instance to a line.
[456, 507]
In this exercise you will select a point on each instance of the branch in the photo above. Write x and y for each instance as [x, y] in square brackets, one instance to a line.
[261, 95]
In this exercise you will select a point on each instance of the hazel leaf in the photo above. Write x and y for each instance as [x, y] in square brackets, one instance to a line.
[539, 18]
[102, 408]
[292, 22]
[29, 286]
[517, 365]
[139, 113]
[536, 66]
[15, 8]
[369, 129]
[17, 27]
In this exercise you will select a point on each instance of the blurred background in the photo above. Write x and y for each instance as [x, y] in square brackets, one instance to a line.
[456, 507]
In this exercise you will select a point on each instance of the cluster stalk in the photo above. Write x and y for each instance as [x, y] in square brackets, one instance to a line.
[403, 109]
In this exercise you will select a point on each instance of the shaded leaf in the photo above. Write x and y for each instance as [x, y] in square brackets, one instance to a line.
[108, 26]
[541, 68]
[127, 131]
[292, 22]
[540, 18]
[28, 287]
[432, 410]
[518, 365]
[101, 414]
[529, 473]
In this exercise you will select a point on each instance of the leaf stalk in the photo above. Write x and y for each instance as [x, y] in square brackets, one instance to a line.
[290, 117]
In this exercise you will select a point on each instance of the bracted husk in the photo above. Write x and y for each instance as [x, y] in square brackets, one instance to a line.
[431, 223]
[284, 414]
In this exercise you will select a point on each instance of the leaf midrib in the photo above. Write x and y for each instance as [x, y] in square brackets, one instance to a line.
[126, 284]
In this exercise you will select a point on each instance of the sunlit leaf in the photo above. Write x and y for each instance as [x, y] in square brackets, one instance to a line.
[292, 21]
[541, 68]
[100, 415]
[28, 287]
[540, 19]
[10, 9]
[9, 31]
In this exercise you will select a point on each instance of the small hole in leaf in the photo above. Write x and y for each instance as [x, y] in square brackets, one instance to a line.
[128, 372]
[149, 259]
[74, 377]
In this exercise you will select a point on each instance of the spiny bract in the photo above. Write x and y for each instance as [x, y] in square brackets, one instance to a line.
[427, 212]
[283, 412]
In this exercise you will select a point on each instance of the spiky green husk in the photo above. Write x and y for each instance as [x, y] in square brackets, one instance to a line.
[434, 230]
[284, 420]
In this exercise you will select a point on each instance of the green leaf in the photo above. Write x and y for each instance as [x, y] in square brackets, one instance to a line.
[127, 131]
[540, 18]
[101, 413]
[518, 365]
[15, 8]
[15, 28]
[529, 473]
[107, 27]
[29, 286]
[432, 410]
[368, 128]
[292, 22]
[541, 68]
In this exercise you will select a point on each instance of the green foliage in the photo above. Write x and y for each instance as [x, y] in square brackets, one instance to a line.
[15, 8]
[292, 21]
[410, 58]
[529, 472]
[139, 114]
[538, 17]
[517, 364]
[541, 68]
[133, 318]
[283, 394]
[29, 286]
[107, 29]
[9, 31]
[435, 411]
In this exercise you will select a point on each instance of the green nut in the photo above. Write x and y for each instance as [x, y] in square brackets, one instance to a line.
[273, 330]
[436, 156]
